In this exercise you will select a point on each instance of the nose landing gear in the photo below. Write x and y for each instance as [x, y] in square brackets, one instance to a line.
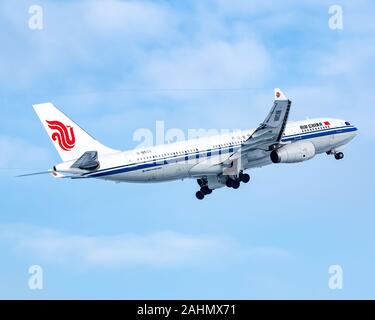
[338, 155]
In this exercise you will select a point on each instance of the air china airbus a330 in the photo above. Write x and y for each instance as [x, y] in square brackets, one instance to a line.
[215, 161]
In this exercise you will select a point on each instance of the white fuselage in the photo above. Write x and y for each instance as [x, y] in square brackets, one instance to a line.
[204, 156]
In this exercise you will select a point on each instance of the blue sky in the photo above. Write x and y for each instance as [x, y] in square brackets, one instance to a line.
[118, 66]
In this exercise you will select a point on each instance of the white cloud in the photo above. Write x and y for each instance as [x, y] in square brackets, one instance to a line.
[215, 64]
[245, 7]
[98, 34]
[119, 45]
[165, 248]
[137, 18]
[342, 61]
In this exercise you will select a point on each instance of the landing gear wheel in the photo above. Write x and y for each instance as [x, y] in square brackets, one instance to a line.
[200, 182]
[229, 183]
[339, 156]
[245, 178]
[240, 175]
[206, 190]
[199, 195]
[235, 184]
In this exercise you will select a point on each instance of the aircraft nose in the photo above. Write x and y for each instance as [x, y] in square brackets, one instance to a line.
[355, 131]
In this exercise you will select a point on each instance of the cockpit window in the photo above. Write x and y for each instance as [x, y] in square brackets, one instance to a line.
[347, 123]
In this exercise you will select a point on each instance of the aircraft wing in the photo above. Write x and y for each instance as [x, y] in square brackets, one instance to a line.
[268, 134]
[270, 131]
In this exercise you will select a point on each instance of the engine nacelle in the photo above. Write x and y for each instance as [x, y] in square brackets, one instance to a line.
[294, 152]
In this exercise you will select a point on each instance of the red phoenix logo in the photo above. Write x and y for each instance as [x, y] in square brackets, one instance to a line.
[277, 94]
[64, 137]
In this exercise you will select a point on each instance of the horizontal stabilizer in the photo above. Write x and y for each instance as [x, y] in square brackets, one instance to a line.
[33, 174]
[55, 174]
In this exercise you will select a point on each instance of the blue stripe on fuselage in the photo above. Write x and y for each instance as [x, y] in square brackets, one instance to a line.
[161, 161]
[321, 133]
[211, 152]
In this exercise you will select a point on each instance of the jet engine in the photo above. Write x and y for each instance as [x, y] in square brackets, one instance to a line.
[294, 152]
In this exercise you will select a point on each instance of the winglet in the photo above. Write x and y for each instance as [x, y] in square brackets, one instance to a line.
[279, 95]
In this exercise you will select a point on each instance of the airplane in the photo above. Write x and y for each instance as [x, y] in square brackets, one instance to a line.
[215, 161]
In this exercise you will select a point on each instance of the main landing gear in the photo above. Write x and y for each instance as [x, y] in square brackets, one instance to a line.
[235, 182]
[205, 190]
[338, 155]
[231, 182]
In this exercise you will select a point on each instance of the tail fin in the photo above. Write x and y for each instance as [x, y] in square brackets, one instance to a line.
[70, 140]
